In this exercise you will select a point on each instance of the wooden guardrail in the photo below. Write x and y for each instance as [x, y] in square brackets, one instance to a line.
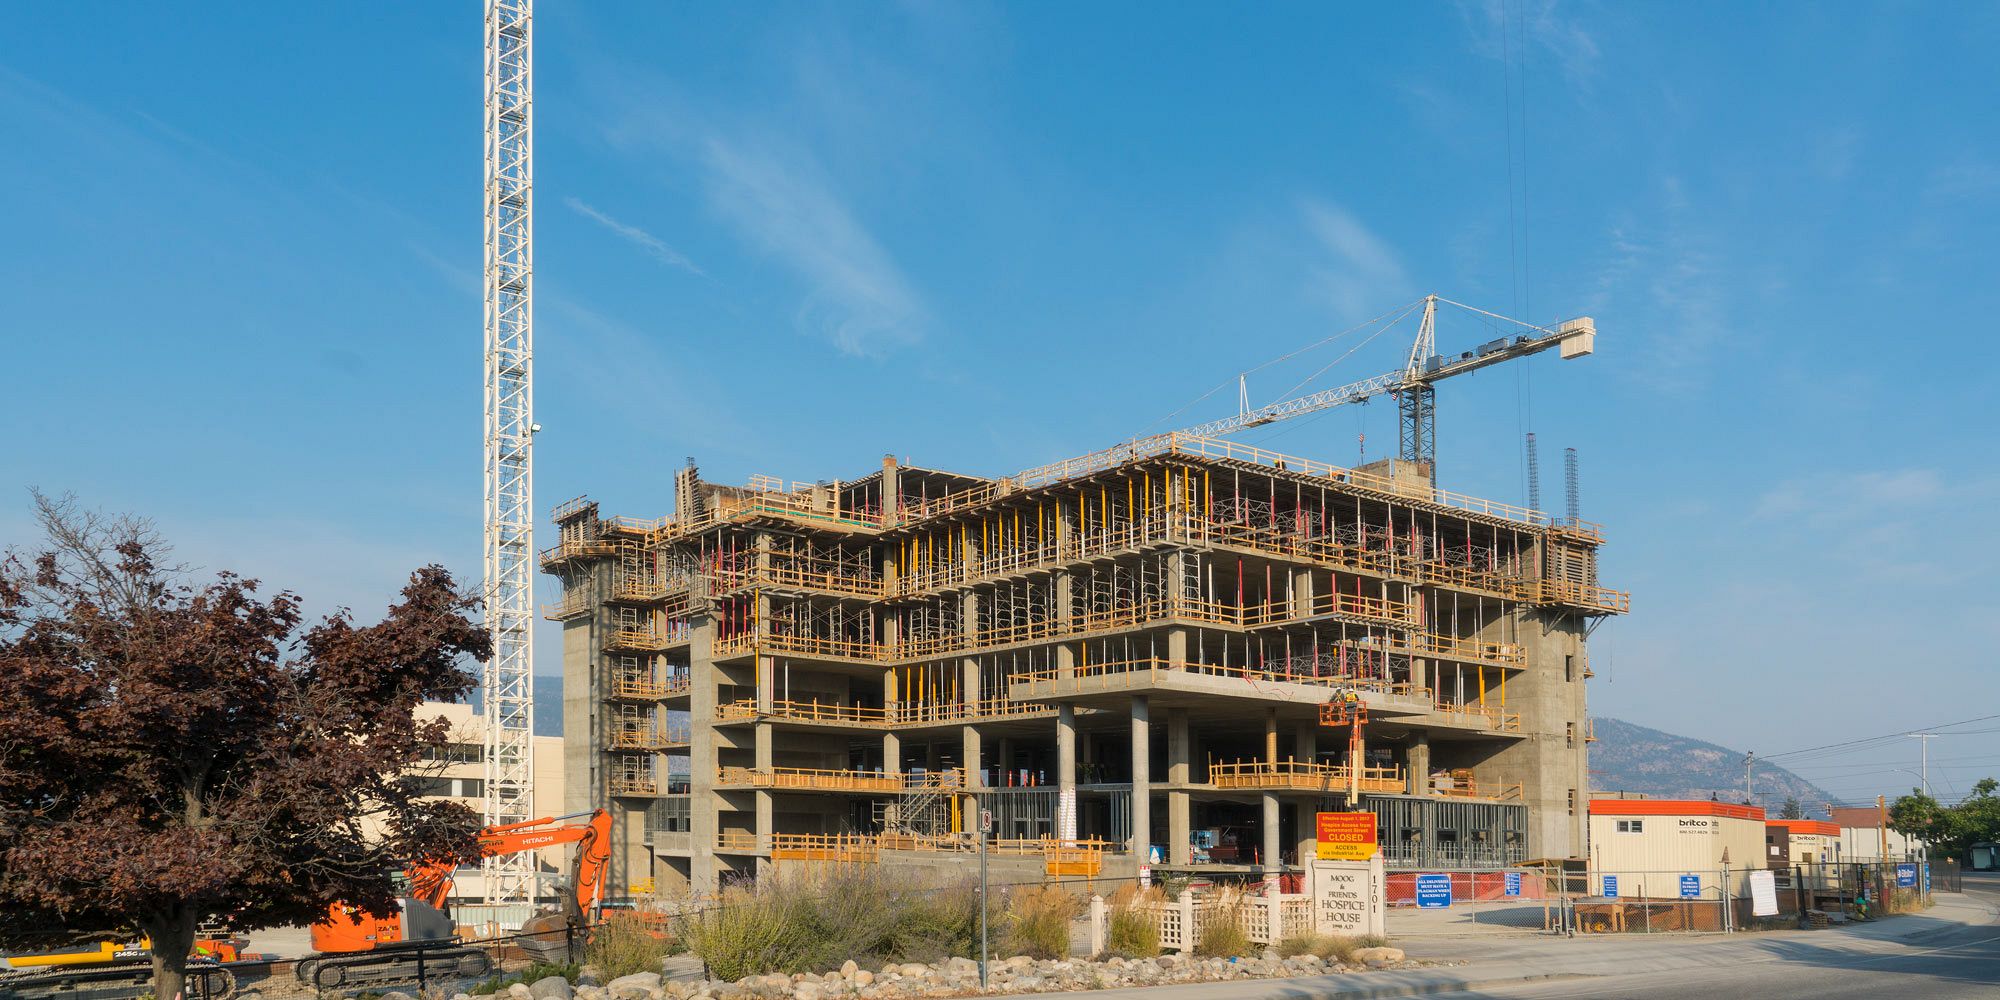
[1301, 774]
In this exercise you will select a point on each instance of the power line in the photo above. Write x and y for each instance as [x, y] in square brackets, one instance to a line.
[1877, 740]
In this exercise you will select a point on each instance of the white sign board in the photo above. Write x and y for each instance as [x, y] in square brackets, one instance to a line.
[1349, 897]
[1763, 894]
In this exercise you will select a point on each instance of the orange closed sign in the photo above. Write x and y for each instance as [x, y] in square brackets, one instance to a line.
[1348, 836]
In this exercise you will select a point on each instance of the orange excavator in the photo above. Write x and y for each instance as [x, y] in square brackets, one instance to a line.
[354, 949]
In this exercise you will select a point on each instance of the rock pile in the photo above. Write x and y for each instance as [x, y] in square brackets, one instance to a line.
[957, 977]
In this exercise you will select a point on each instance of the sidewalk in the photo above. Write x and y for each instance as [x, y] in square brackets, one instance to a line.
[1488, 961]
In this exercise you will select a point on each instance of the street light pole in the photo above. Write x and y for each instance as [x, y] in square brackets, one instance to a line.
[1924, 741]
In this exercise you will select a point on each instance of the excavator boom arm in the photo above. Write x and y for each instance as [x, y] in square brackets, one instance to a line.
[431, 881]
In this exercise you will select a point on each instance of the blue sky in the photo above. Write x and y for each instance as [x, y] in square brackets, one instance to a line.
[239, 292]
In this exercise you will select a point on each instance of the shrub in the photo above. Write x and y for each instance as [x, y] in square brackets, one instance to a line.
[532, 974]
[1222, 934]
[1298, 944]
[624, 944]
[1038, 921]
[1134, 930]
[1331, 947]
[812, 924]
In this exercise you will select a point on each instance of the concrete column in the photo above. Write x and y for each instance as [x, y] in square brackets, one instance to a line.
[971, 749]
[1271, 736]
[1179, 754]
[1142, 780]
[1302, 592]
[703, 803]
[1305, 741]
[1177, 645]
[1272, 845]
[767, 682]
[764, 752]
[892, 744]
[1065, 771]
[1420, 763]
[890, 489]
[1308, 839]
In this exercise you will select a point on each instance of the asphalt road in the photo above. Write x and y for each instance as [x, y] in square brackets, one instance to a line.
[1952, 950]
[1954, 954]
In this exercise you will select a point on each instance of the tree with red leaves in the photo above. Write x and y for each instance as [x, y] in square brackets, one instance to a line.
[172, 749]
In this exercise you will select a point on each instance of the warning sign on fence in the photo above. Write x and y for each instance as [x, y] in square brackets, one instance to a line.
[1345, 836]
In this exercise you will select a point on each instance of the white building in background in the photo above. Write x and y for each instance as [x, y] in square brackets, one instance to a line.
[1862, 837]
[457, 771]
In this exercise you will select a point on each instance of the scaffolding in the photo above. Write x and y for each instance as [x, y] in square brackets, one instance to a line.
[875, 642]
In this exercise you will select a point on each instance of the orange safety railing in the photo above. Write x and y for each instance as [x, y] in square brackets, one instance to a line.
[1510, 585]
[1465, 788]
[801, 645]
[648, 737]
[739, 842]
[805, 711]
[1302, 774]
[1119, 674]
[918, 713]
[823, 847]
[1447, 647]
[575, 549]
[1492, 718]
[1584, 595]
[574, 604]
[815, 779]
[643, 639]
[622, 784]
[803, 578]
[638, 587]
[643, 687]
[766, 500]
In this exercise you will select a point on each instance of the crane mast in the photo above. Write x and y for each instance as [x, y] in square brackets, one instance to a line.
[507, 683]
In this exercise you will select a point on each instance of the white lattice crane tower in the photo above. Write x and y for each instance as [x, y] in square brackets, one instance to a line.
[508, 682]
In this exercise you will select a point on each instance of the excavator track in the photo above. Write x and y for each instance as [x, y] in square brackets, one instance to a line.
[120, 981]
[387, 967]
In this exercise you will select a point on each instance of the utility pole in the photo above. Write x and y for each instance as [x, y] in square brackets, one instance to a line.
[1924, 741]
[1882, 826]
[1748, 759]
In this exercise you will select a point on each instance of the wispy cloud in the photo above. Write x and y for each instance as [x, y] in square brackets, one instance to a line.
[1533, 31]
[1886, 523]
[1661, 270]
[652, 245]
[781, 201]
[1363, 272]
[1828, 500]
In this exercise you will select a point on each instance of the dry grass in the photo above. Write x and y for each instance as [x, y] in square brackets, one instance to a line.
[1222, 934]
[812, 924]
[1038, 919]
[1134, 930]
[624, 944]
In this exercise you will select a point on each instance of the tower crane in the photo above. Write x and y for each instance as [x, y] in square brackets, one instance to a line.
[1415, 384]
[507, 686]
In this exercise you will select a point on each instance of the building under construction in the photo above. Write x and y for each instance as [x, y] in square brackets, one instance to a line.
[1121, 658]
[1172, 652]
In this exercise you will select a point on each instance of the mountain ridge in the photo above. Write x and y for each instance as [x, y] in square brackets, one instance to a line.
[1630, 757]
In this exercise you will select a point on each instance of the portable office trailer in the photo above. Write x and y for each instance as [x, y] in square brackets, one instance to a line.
[1646, 845]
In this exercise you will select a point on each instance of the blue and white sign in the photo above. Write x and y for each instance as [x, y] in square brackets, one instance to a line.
[1906, 876]
[1690, 887]
[1513, 883]
[1610, 887]
[1433, 891]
